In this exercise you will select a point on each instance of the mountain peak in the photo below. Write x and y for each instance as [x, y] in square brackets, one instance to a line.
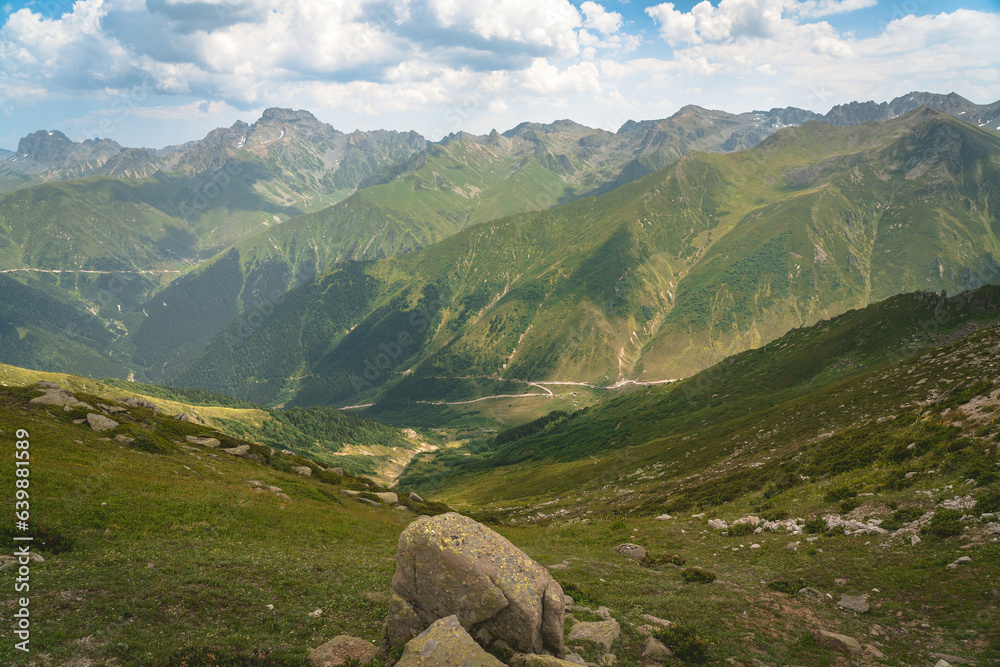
[288, 115]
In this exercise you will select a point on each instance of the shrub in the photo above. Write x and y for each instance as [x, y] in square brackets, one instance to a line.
[849, 504]
[618, 524]
[775, 515]
[837, 530]
[697, 575]
[685, 643]
[814, 526]
[988, 502]
[652, 561]
[902, 516]
[740, 530]
[945, 523]
[786, 587]
[842, 493]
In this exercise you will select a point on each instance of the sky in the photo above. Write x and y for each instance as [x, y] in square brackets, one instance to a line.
[158, 72]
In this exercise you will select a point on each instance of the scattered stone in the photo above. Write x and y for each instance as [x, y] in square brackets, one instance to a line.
[274, 489]
[576, 659]
[45, 384]
[185, 417]
[112, 408]
[316, 614]
[840, 582]
[535, 660]
[388, 497]
[283, 496]
[942, 663]
[302, 471]
[953, 659]
[415, 498]
[717, 524]
[755, 546]
[124, 439]
[445, 642]
[964, 559]
[853, 603]
[874, 652]
[254, 483]
[662, 622]
[401, 507]
[340, 649]
[656, 650]
[204, 441]
[558, 566]
[569, 601]
[350, 492]
[664, 517]
[842, 643]
[602, 633]
[629, 550]
[339, 472]
[101, 423]
[475, 575]
[792, 546]
[366, 501]
[811, 592]
[914, 540]
[241, 451]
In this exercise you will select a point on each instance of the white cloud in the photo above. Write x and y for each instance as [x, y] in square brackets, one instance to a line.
[599, 19]
[547, 79]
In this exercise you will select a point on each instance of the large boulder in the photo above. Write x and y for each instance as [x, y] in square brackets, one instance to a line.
[451, 565]
[445, 642]
[101, 423]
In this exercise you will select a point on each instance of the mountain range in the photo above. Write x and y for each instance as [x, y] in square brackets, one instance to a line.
[548, 252]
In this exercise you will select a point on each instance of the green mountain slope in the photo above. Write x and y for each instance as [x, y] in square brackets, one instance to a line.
[655, 280]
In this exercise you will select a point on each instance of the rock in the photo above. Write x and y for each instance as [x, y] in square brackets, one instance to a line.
[56, 395]
[415, 498]
[254, 483]
[942, 663]
[810, 592]
[124, 439]
[388, 497]
[101, 423]
[664, 517]
[914, 540]
[754, 547]
[535, 660]
[576, 659]
[274, 489]
[45, 384]
[603, 633]
[340, 649]
[629, 550]
[339, 472]
[349, 492]
[302, 471]
[366, 501]
[964, 559]
[853, 603]
[185, 417]
[112, 408]
[833, 641]
[558, 566]
[662, 622]
[445, 642]
[204, 441]
[241, 451]
[656, 650]
[840, 582]
[792, 546]
[401, 507]
[137, 402]
[953, 659]
[717, 524]
[316, 613]
[451, 565]
[874, 652]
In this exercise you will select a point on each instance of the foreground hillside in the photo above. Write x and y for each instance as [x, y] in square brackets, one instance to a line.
[855, 458]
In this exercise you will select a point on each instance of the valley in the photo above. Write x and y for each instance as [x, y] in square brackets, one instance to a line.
[731, 375]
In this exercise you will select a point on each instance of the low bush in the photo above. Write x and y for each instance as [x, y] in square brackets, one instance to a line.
[814, 526]
[650, 560]
[945, 523]
[685, 643]
[697, 575]
[785, 586]
[740, 530]
[849, 504]
[902, 516]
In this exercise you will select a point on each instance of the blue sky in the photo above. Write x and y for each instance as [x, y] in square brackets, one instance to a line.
[157, 72]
